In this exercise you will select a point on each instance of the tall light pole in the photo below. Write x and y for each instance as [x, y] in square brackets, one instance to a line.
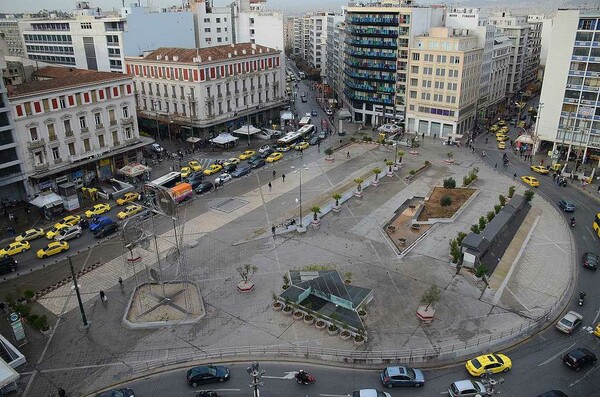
[300, 194]
[155, 104]
[76, 286]
[537, 125]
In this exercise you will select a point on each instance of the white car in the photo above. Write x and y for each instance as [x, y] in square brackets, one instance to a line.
[69, 233]
[329, 112]
[370, 393]
[224, 177]
[157, 148]
[470, 388]
[263, 149]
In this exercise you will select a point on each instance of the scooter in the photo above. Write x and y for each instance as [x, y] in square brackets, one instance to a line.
[581, 298]
[309, 380]
[572, 222]
[207, 393]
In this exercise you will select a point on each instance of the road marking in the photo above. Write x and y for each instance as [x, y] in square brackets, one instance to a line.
[556, 355]
[584, 376]
[332, 395]
[217, 390]
[288, 375]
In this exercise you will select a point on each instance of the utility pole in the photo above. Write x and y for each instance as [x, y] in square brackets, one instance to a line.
[256, 374]
[81, 310]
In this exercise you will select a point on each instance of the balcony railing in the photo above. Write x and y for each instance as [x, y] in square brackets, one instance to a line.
[41, 167]
[376, 99]
[369, 76]
[126, 120]
[69, 133]
[372, 21]
[36, 144]
[53, 137]
[372, 43]
[372, 32]
[370, 65]
[113, 122]
[99, 126]
[370, 54]
[84, 130]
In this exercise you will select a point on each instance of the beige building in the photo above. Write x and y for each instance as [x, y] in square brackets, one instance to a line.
[444, 79]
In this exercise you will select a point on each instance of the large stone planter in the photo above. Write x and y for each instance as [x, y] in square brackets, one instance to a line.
[245, 286]
[337, 208]
[358, 341]
[298, 315]
[358, 193]
[345, 335]
[320, 325]
[332, 332]
[390, 173]
[287, 312]
[375, 183]
[425, 314]
[309, 319]
[329, 159]
[277, 306]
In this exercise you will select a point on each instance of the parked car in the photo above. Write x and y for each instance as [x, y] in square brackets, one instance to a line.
[204, 187]
[207, 374]
[117, 393]
[488, 362]
[194, 165]
[264, 148]
[55, 230]
[128, 198]
[69, 233]
[314, 113]
[8, 265]
[231, 161]
[369, 393]
[130, 210]
[156, 148]
[329, 112]
[569, 322]
[470, 388]
[402, 376]
[283, 148]
[224, 177]
[106, 230]
[254, 159]
[247, 154]
[566, 205]
[30, 234]
[314, 140]
[322, 135]
[590, 261]
[266, 153]
[53, 248]
[579, 358]
[258, 163]
[241, 171]
[213, 169]
[99, 222]
[14, 248]
[69, 220]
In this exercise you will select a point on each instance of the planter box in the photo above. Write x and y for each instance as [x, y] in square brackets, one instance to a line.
[320, 325]
[310, 321]
[245, 286]
[390, 173]
[358, 342]
[449, 161]
[287, 312]
[329, 159]
[298, 315]
[332, 333]
[358, 193]
[362, 316]
[375, 183]
[337, 208]
[277, 306]
[345, 335]
[425, 315]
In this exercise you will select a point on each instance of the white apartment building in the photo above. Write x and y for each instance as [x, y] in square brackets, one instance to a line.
[445, 74]
[499, 73]
[75, 125]
[12, 35]
[317, 51]
[301, 37]
[89, 41]
[569, 115]
[526, 46]
[210, 89]
[335, 53]
[288, 34]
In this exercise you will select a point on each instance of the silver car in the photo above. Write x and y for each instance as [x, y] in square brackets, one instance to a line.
[467, 387]
[69, 233]
[569, 322]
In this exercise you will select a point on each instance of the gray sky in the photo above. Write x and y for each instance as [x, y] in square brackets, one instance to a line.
[292, 6]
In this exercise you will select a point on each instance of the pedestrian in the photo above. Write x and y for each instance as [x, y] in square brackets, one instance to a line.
[473, 149]
[273, 230]
[62, 392]
[514, 176]
[554, 176]
[270, 186]
[121, 282]
[434, 136]
[274, 174]
[348, 155]
[495, 166]
[103, 297]
[283, 177]
[11, 217]
[10, 230]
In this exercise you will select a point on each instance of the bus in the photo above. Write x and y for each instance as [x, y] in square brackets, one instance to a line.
[289, 139]
[596, 224]
[167, 181]
[304, 121]
[306, 130]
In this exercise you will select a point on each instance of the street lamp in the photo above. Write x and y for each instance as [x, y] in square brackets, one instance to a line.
[303, 168]
[537, 125]
[155, 104]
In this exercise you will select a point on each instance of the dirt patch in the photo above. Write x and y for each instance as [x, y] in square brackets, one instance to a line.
[433, 208]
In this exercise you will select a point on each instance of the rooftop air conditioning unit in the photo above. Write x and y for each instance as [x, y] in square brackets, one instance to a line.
[175, 58]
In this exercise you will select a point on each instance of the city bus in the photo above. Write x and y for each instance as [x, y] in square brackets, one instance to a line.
[306, 130]
[304, 121]
[289, 139]
[167, 181]
[596, 224]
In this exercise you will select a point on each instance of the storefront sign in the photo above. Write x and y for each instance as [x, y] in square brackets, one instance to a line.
[17, 328]
[104, 162]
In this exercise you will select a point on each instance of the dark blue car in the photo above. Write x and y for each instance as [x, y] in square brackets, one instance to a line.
[207, 374]
[99, 222]
[241, 171]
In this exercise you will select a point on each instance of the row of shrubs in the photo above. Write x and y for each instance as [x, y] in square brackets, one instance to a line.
[19, 305]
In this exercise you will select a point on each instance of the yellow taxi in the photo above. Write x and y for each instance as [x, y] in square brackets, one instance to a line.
[301, 146]
[232, 161]
[128, 198]
[502, 138]
[213, 169]
[531, 181]
[30, 234]
[597, 330]
[55, 230]
[185, 172]
[195, 165]
[70, 220]
[501, 123]
[97, 209]
[493, 362]
[503, 130]
[52, 248]
[502, 145]
[540, 169]
[129, 211]
[494, 128]
[521, 124]
[14, 248]
[247, 154]
[273, 157]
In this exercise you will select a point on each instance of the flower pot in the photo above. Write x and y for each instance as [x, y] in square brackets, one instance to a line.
[333, 332]
[347, 281]
[358, 341]
[337, 208]
[320, 325]
[362, 314]
[298, 315]
[316, 222]
[277, 306]
[375, 182]
[358, 193]
[287, 311]
[345, 335]
[309, 319]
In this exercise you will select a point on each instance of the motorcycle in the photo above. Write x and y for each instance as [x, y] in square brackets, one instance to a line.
[572, 222]
[307, 380]
[581, 298]
[207, 393]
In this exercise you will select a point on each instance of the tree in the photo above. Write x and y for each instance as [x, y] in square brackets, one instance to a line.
[400, 154]
[449, 183]
[431, 296]
[511, 191]
[490, 215]
[475, 229]
[450, 155]
[482, 222]
[389, 163]
[329, 152]
[529, 194]
[376, 171]
[446, 201]
[337, 197]
[315, 209]
[502, 200]
[247, 271]
[359, 181]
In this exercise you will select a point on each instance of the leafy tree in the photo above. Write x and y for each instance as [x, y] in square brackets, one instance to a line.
[449, 183]
[482, 222]
[247, 271]
[431, 296]
[446, 201]
[502, 200]
[337, 197]
[315, 209]
[490, 215]
[529, 194]
[376, 171]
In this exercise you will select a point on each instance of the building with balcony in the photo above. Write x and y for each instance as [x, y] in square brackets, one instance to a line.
[335, 54]
[91, 40]
[502, 51]
[11, 164]
[376, 55]
[302, 37]
[209, 89]
[76, 125]
[317, 39]
[526, 46]
[12, 35]
[569, 115]
[443, 90]
[288, 34]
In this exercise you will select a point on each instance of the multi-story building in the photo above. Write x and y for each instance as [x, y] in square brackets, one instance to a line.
[445, 74]
[256, 24]
[288, 34]
[302, 37]
[89, 41]
[317, 52]
[12, 35]
[11, 171]
[526, 46]
[569, 113]
[76, 125]
[376, 56]
[499, 73]
[335, 54]
[210, 89]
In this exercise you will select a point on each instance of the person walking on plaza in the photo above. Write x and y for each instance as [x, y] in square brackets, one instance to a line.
[270, 186]
[62, 392]
[348, 155]
[283, 177]
[103, 297]
[274, 173]
[273, 230]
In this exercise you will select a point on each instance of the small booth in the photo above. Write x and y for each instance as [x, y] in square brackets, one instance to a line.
[50, 203]
[68, 192]
[224, 140]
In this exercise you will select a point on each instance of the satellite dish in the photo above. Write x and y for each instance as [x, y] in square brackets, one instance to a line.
[164, 202]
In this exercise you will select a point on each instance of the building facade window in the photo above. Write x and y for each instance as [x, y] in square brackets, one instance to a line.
[82, 122]
[86, 145]
[55, 153]
[33, 134]
[98, 119]
[125, 112]
[71, 149]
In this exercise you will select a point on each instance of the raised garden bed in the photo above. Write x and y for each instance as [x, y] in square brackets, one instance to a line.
[432, 208]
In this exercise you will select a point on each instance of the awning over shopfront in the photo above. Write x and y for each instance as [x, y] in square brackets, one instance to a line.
[286, 115]
[525, 139]
[224, 138]
[193, 140]
[46, 199]
[247, 130]
[134, 169]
